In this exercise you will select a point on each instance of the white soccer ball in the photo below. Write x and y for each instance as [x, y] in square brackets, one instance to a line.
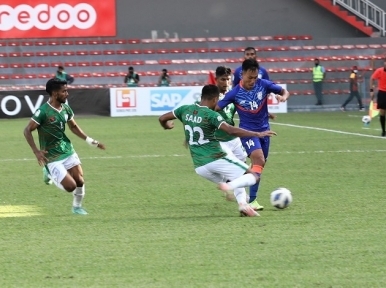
[281, 198]
[366, 119]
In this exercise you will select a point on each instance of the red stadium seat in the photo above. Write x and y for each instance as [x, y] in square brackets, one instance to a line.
[17, 76]
[161, 40]
[226, 39]
[13, 43]
[42, 64]
[135, 51]
[152, 73]
[215, 50]
[279, 37]
[83, 64]
[308, 47]
[257, 38]
[70, 64]
[56, 64]
[205, 61]
[98, 74]
[45, 76]
[305, 37]
[178, 61]
[30, 76]
[350, 47]
[120, 41]
[229, 49]
[189, 50]
[108, 52]
[191, 61]
[15, 65]
[264, 38]
[187, 40]
[269, 48]
[165, 62]
[133, 41]
[375, 46]
[107, 41]
[202, 50]
[179, 72]
[221, 61]
[234, 60]
[239, 38]
[173, 40]
[292, 37]
[200, 39]
[3, 43]
[146, 41]
[149, 51]
[122, 52]
[14, 54]
[29, 65]
[4, 65]
[361, 46]
[321, 47]
[162, 51]
[80, 42]
[175, 50]
[81, 53]
[84, 75]
[295, 48]
[213, 39]
[137, 62]
[335, 47]
[96, 52]
[42, 53]
[4, 76]
[110, 63]
[282, 48]
[27, 43]
[94, 42]
[96, 63]
[53, 43]
[67, 42]
[68, 53]
[55, 53]
[151, 62]
[112, 74]
[124, 63]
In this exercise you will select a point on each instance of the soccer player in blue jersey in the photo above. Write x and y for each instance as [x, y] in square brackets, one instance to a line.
[250, 99]
[249, 53]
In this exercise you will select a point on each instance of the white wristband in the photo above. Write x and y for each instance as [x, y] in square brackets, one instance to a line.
[92, 142]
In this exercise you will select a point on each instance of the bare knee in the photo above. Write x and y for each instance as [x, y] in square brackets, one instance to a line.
[257, 158]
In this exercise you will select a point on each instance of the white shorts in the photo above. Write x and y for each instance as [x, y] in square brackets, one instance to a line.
[221, 170]
[235, 147]
[58, 169]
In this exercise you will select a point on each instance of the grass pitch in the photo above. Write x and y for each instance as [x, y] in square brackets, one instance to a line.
[154, 223]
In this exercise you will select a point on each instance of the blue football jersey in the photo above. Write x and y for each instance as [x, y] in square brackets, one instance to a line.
[251, 105]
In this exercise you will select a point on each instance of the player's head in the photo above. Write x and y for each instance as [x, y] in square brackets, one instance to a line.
[57, 89]
[60, 69]
[131, 70]
[316, 61]
[355, 69]
[223, 78]
[249, 53]
[209, 96]
[250, 69]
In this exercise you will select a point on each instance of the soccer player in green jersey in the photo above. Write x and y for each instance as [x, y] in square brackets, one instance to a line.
[229, 143]
[210, 161]
[56, 152]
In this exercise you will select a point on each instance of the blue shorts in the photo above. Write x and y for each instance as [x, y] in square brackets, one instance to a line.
[251, 144]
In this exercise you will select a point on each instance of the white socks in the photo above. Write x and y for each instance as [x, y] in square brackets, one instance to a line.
[78, 193]
[241, 196]
[243, 181]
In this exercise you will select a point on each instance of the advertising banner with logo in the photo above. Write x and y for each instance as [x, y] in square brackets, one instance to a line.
[57, 18]
[20, 104]
[159, 100]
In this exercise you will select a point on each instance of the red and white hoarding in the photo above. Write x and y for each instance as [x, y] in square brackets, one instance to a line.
[57, 18]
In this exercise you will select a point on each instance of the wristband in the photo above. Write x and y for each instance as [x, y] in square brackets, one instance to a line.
[92, 142]
[371, 90]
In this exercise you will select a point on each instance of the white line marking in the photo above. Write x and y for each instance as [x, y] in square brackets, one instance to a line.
[328, 130]
[178, 155]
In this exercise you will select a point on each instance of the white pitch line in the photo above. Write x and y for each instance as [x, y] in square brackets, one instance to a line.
[179, 155]
[328, 130]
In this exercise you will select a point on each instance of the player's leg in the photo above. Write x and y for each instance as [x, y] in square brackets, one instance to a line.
[46, 176]
[253, 147]
[238, 150]
[381, 103]
[359, 98]
[74, 168]
[349, 98]
[60, 177]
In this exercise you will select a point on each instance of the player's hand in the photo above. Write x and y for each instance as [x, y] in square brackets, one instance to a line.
[169, 125]
[272, 116]
[101, 146]
[268, 133]
[280, 98]
[40, 155]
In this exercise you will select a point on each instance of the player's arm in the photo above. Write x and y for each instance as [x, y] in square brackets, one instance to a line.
[79, 132]
[136, 78]
[239, 132]
[166, 120]
[236, 77]
[32, 126]
[372, 86]
[281, 94]
[228, 99]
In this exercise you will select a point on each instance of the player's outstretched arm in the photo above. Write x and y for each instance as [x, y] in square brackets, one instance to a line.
[283, 96]
[238, 132]
[79, 132]
[40, 155]
[166, 120]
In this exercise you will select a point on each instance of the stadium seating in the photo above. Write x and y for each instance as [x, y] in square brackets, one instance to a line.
[288, 58]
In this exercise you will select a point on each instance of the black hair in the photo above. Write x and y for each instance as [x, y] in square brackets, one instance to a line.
[250, 64]
[316, 59]
[131, 68]
[61, 67]
[223, 70]
[250, 48]
[54, 84]
[209, 92]
[165, 70]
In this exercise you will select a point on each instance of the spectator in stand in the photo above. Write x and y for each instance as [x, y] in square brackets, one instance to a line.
[380, 76]
[318, 74]
[131, 78]
[63, 76]
[164, 78]
[354, 91]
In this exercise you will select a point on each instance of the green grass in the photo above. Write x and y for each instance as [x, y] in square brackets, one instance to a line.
[154, 223]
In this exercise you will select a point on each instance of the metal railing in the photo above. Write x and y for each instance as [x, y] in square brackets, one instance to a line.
[366, 10]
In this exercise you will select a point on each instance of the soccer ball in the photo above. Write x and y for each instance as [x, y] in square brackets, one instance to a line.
[366, 119]
[281, 198]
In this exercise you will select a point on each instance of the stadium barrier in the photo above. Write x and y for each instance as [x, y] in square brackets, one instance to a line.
[149, 101]
[20, 104]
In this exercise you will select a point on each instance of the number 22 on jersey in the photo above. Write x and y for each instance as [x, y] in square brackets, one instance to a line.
[201, 140]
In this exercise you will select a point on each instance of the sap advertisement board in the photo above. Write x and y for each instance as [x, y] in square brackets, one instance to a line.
[159, 100]
[57, 18]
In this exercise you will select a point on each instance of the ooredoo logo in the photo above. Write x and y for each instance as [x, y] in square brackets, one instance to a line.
[44, 17]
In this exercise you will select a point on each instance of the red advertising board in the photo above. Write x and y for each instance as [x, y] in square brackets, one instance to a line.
[57, 18]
